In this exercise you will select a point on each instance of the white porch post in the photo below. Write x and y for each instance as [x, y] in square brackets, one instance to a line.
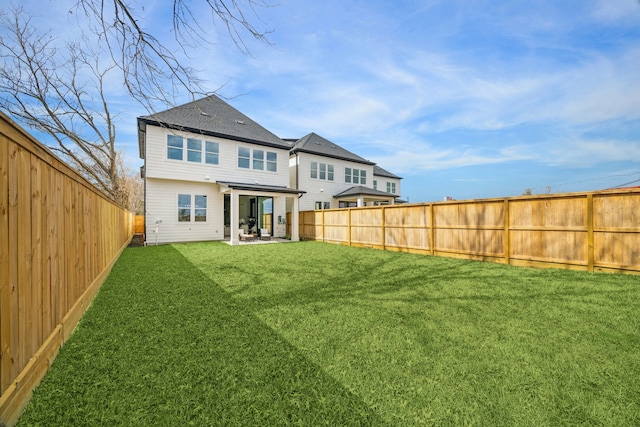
[233, 215]
[295, 232]
[360, 202]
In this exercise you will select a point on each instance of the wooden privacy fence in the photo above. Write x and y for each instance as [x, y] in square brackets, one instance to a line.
[597, 231]
[138, 224]
[59, 238]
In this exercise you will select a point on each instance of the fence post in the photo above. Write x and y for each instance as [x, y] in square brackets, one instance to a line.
[432, 233]
[349, 224]
[590, 254]
[507, 237]
[384, 245]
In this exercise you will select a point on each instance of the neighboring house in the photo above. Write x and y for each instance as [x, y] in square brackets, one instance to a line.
[333, 177]
[209, 171]
[386, 181]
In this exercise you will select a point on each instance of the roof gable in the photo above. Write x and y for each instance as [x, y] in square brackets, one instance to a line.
[212, 116]
[315, 144]
[378, 171]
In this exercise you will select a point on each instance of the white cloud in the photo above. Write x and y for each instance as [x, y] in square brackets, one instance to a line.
[610, 11]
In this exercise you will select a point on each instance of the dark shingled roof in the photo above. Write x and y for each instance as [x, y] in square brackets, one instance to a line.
[214, 117]
[315, 144]
[359, 189]
[377, 170]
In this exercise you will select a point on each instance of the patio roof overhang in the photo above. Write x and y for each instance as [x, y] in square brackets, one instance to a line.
[261, 188]
[364, 193]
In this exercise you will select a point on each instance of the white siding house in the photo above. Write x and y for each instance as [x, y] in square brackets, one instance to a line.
[209, 171]
[333, 177]
[386, 181]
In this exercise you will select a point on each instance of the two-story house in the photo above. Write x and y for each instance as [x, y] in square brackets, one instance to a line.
[209, 171]
[333, 177]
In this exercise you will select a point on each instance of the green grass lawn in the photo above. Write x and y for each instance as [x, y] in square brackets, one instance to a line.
[316, 334]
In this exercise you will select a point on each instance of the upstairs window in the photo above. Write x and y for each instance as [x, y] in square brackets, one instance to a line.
[321, 171]
[212, 153]
[174, 147]
[355, 176]
[391, 187]
[244, 157]
[194, 150]
[375, 184]
[258, 160]
[272, 161]
[255, 159]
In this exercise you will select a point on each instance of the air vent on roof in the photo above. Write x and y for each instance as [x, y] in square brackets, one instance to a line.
[204, 113]
[240, 122]
[333, 146]
[316, 142]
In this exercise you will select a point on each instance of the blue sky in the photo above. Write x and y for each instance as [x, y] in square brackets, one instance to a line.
[469, 99]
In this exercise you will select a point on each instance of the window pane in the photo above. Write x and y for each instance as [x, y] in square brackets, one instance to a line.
[212, 158]
[363, 177]
[258, 159]
[330, 172]
[323, 171]
[318, 205]
[243, 163]
[194, 144]
[272, 161]
[174, 147]
[194, 156]
[375, 184]
[174, 141]
[200, 215]
[347, 174]
[212, 147]
[184, 215]
[211, 152]
[356, 176]
[201, 202]
[327, 205]
[314, 170]
[184, 200]
[244, 160]
[184, 207]
[174, 153]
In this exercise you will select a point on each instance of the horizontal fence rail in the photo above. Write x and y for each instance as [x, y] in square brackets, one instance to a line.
[59, 237]
[597, 231]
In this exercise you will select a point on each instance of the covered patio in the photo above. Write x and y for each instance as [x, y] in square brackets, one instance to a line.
[245, 209]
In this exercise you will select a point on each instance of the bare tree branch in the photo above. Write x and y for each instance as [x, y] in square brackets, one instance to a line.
[151, 72]
[53, 91]
[60, 90]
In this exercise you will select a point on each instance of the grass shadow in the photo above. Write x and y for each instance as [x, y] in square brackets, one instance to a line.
[166, 346]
